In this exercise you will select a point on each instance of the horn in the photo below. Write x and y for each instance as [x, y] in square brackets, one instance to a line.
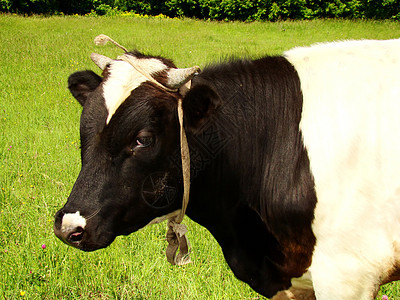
[100, 60]
[178, 77]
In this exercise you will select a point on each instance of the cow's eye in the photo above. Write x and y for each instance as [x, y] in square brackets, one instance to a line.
[144, 141]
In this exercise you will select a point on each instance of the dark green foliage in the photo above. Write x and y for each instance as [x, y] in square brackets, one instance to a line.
[382, 9]
[244, 10]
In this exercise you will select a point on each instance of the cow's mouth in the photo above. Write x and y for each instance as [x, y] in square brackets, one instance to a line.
[77, 231]
[73, 237]
[80, 239]
[77, 236]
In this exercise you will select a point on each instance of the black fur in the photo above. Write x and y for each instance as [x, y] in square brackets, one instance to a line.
[251, 184]
[256, 194]
[82, 83]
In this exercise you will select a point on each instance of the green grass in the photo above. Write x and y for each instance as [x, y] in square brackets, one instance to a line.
[39, 152]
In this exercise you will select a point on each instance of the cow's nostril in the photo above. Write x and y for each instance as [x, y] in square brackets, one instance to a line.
[76, 236]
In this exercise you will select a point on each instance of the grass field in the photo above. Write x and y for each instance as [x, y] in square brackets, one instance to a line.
[39, 152]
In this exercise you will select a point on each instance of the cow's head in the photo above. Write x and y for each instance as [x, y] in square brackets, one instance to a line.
[129, 129]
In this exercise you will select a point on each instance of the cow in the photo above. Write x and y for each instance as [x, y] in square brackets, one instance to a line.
[294, 162]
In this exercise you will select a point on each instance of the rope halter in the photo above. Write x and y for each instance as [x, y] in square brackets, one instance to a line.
[181, 78]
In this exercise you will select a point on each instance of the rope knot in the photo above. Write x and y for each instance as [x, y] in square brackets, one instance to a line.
[177, 240]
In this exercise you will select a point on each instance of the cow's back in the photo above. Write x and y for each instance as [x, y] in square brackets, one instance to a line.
[351, 129]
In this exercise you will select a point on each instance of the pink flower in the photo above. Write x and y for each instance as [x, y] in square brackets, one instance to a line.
[43, 246]
[384, 297]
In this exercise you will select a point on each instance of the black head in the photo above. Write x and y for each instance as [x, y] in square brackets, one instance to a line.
[131, 172]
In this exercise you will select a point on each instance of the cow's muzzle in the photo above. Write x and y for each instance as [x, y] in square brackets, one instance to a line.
[69, 228]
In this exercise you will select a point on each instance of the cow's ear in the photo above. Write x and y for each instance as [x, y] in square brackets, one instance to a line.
[199, 104]
[81, 83]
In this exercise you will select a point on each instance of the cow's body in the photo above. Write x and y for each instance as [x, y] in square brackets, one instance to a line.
[294, 164]
[351, 128]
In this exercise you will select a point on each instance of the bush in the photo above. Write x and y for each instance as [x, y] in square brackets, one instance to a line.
[184, 8]
[244, 10]
[382, 9]
[5, 5]
[103, 9]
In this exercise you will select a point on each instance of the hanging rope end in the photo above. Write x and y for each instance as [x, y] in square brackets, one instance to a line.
[177, 240]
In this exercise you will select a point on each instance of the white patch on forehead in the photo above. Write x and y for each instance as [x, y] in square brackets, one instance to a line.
[72, 221]
[124, 78]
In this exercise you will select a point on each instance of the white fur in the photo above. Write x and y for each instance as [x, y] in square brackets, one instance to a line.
[124, 78]
[351, 129]
[71, 222]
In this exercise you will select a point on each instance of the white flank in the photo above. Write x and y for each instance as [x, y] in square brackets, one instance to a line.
[71, 222]
[351, 129]
[124, 78]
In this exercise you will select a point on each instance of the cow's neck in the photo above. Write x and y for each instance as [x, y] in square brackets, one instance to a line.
[217, 203]
[243, 186]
